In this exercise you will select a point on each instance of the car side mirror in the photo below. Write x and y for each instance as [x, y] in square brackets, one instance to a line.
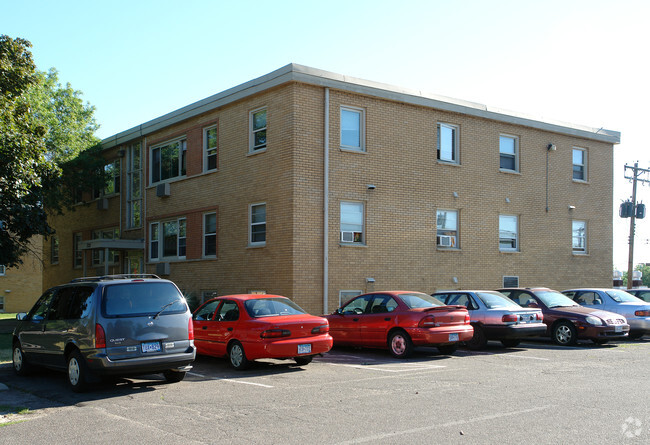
[21, 315]
[338, 311]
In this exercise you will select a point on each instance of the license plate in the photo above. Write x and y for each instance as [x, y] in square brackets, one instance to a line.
[453, 337]
[151, 346]
[304, 349]
[618, 328]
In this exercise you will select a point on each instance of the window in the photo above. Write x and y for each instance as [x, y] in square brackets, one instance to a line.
[210, 235]
[154, 241]
[508, 233]
[352, 129]
[168, 239]
[579, 236]
[168, 160]
[352, 222]
[347, 295]
[508, 153]
[448, 143]
[257, 222]
[55, 250]
[510, 281]
[134, 186]
[112, 171]
[2, 303]
[98, 254]
[76, 248]
[3, 270]
[447, 228]
[228, 311]
[257, 139]
[210, 148]
[579, 164]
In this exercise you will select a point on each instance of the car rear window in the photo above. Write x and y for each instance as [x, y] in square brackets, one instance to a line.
[269, 307]
[142, 298]
[416, 300]
[494, 300]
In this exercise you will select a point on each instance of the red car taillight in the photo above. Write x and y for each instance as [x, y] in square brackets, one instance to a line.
[428, 322]
[509, 318]
[642, 313]
[322, 329]
[275, 333]
[467, 318]
[540, 316]
[190, 329]
[100, 336]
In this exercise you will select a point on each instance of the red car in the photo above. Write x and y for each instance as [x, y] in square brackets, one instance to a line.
[400, 320]
[249, 327]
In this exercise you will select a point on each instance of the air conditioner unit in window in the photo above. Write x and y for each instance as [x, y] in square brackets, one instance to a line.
[163, 190]
[102, 204]
[162, 269]
[347, 237]
[446, 241]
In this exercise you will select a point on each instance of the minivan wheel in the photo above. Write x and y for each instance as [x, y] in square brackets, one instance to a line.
[174, 376]
[237, 356]
[77, 372]
[21, 366]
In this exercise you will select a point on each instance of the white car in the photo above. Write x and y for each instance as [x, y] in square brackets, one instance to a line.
[635, 310]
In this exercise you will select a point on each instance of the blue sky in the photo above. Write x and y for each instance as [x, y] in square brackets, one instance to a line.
[584, 62]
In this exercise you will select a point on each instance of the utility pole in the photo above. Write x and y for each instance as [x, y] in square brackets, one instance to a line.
[635, 211]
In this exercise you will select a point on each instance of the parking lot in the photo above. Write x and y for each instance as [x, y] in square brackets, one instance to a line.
[537, 392]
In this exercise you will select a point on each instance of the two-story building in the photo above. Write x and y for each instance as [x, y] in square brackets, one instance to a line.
[318, 186]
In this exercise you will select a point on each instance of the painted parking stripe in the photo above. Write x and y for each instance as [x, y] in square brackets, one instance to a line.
[503, 355]
[232, 380]
[404, 367]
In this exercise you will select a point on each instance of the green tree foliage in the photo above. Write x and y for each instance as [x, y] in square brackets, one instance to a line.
[45, 135]
[645, 277]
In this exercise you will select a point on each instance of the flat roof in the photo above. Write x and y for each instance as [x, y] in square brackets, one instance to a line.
[304, 74]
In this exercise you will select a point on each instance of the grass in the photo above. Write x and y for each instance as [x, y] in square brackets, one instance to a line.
[8, 411]
[7, 315]
[5, 348]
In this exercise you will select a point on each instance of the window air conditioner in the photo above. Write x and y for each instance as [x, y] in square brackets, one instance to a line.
[102, 204]
[347, 237]
[446, 241]
[162, 269]
[163, 190]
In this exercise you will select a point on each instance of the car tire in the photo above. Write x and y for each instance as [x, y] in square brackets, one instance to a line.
[77, 372]
[635, 335]
[448, 349]
[510, 342]
[564, 334]
[21, 366]
[304, 360]
[599, 341]
[400, 344]
[237, 356]
[478, 340]
[174, 376]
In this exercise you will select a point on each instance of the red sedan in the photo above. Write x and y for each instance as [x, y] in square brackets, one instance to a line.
[249, 327]
[400, 320]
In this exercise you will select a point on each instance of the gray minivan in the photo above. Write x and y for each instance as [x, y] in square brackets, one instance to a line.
[110, 325]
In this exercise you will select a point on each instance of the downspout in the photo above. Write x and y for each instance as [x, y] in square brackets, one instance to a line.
[144, 181]
[326, 190]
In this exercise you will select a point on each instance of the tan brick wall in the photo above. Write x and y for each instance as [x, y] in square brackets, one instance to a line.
[21, 286]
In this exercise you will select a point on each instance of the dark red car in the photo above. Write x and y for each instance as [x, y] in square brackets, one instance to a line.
[249, 327]
[566, 321]
[400, 320]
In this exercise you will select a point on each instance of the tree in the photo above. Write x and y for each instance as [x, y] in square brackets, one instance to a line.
[46, 135]
[645, 274]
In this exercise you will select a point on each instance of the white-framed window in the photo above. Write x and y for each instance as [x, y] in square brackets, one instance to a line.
[168, 239]
[508, 233]
[352, 218]
[210, 138]
[257, 224]
[98, 254]
[54, 257]
[76, 248]
[448, 143]
[134, 186]
[579, 164]
[447, 229]
[353, 134]
[3, 270]
[509, 153]
[209, 234]
[347, 295]
[579, 236]
[168, 160]
[257, 130]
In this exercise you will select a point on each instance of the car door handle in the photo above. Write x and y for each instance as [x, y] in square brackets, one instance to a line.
[230, 329]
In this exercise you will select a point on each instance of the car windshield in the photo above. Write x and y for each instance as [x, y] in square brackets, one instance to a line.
[620, 296]
[271, 307]
[495, 300]
[555, 299]
[142, 298]
[416, 300]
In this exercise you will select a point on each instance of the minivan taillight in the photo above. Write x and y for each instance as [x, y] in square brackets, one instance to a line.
[100, 336]
[190, 329]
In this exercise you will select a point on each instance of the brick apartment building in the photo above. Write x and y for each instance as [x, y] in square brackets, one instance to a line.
[21, 286]
[318, 186]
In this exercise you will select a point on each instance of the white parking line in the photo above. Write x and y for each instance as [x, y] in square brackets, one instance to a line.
[413, 367]
[504, 355]
[231, 380]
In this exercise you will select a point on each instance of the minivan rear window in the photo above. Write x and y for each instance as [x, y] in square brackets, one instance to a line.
[139, 299]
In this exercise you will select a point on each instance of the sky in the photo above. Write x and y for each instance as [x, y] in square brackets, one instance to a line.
[583, 62]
